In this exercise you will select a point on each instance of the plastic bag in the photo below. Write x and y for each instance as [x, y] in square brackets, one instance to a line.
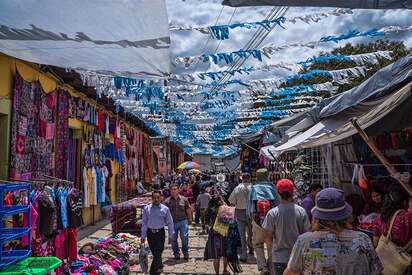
[143, 261]
[363, 182]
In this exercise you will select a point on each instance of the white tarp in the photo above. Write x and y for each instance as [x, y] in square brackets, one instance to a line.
[353, 4]
[338, 127]
[124, 37]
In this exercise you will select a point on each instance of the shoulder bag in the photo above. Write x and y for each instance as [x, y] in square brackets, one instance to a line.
[395, 259]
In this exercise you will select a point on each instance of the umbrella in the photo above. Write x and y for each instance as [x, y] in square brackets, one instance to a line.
[189, 165]
[195, 171]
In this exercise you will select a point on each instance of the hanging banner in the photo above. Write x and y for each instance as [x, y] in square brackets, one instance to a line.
[107, 36]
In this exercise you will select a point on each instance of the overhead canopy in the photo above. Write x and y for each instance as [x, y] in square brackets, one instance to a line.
[352, 4]
[338, 127]
[107, 36]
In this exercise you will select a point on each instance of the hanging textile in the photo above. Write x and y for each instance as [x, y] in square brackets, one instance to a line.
[32, 135]
[148, 168]
[62, 143]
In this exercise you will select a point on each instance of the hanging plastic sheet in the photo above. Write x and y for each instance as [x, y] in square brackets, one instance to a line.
[129, 38]
[353, 4]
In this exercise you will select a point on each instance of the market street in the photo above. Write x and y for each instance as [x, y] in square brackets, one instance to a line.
[266, 137]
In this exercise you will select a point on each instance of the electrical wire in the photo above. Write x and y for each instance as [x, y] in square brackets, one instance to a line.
[256, 42]
[251, 43]
[210, 37]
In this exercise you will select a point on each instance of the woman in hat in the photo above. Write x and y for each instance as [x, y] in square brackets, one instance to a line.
[332, 248]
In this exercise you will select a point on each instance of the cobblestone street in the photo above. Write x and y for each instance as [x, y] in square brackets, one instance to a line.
[195, 265]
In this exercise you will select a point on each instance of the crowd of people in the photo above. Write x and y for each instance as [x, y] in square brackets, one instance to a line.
[326, 232]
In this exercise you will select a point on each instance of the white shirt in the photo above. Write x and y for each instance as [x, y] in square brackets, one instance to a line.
[239, 196]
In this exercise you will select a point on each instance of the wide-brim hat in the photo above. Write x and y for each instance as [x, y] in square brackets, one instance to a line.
[221, 177]
[331, 205]
[262, 174]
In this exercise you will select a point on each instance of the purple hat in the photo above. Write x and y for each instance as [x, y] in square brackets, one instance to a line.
[331, 205]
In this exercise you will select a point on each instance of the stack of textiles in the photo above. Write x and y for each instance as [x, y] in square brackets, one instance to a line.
[110, 255]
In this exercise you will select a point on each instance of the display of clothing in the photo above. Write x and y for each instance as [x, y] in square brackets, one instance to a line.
[32, 130]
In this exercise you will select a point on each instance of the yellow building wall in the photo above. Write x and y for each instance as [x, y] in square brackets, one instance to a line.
[8, 68]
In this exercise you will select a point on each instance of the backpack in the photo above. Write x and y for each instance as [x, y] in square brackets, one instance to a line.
[263, 207]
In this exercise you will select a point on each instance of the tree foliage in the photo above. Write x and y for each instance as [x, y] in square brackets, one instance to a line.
[397, 49]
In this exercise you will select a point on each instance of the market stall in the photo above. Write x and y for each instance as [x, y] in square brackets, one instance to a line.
[125, 216]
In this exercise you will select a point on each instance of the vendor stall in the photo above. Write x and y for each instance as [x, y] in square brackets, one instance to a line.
[125, 215]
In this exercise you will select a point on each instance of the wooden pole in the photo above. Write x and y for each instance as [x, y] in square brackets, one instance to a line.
[391, 169]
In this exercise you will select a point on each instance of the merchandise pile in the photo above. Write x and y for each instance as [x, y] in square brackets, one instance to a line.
[110, 255]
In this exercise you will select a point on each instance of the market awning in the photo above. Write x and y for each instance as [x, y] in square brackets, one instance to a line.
[339, 127]
[128, 38]
[352, 4]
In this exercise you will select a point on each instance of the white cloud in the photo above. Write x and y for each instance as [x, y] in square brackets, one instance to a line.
[205, 13]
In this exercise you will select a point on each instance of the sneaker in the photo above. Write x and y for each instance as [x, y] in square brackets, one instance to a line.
[177, 257]
[186, 257]
[243, 260]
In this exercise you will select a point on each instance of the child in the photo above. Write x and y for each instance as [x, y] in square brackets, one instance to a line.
[202, 203]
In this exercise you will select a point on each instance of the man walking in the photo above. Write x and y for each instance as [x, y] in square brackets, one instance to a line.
[284, 224]
[182, 216]
[262, 198]
[155, 217]
[195, 192]
[202, 204]
[239, 198]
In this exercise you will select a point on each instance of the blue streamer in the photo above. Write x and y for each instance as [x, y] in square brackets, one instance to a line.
[325, 58]
[221, 32]
[352, 34]
[229, 57]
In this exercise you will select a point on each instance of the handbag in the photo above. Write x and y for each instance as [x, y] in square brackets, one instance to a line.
[220, 227]
[395, 259]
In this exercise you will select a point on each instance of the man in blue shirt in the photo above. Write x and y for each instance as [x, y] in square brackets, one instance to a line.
[155, 217]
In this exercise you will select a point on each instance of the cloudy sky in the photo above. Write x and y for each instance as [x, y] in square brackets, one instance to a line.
[205, 13]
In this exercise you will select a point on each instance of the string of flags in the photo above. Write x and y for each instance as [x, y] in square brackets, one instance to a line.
[221, 32]
[271, 49]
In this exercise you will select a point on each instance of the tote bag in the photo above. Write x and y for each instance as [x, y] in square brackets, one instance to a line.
[395, 259]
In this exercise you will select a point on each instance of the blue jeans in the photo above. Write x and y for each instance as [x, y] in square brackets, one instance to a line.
[181, 228]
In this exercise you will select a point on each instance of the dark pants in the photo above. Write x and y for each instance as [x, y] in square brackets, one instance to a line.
[279, 268]
[156, 241]
[197, 215]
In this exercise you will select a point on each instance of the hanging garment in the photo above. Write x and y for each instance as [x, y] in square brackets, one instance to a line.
[62, 194]
[93, 186]
[62, 134]
[86, 186]
[74, 208]
[99, 184]
[46, 213]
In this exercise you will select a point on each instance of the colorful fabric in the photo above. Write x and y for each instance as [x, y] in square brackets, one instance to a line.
[402, 228]
[32, 131]
[62, 134]
[215, 246]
